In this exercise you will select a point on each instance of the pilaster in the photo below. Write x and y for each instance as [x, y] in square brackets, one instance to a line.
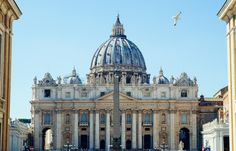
[97, 140]
[58, 129]
[140, 145]
[91, 129]
[134, 130]
[155, 129]
[75, 133]
[108, 129]
[123, 130]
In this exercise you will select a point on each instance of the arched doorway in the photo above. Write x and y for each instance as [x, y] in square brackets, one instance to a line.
[47, 139]
[102, 144]
[128, 144]
[184, 137]
[147, 141]
[84, 141]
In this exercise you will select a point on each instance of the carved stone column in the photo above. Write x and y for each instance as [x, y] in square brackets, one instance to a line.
[97, 141]
[91, 130]
[58, 130]
[194, 130]
[37, 121]
[172, 129]
[155, 129]
[108, 129]
[75, 133]
[140, 145]
[123, 130]
[134, 131]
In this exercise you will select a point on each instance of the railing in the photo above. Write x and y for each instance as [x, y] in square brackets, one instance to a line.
[83, 124]
[147, 123]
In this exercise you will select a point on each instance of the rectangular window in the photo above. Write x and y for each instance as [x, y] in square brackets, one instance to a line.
[102, 93]
[184, 119]
[83, 129]
[184, 93]
[47, 93]
[47, 119]
[128, 93]
[147, 129]
[129, 119]
[68, 95]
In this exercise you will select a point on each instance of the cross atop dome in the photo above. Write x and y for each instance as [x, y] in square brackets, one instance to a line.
[118, 30]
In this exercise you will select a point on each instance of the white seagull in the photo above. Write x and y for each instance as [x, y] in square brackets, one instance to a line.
[176, 18]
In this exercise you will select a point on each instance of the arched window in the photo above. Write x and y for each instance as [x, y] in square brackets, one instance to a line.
[147, 118]
[129, 119]
[102, 118]
[67, 118]
[84, 118]
[184, 93]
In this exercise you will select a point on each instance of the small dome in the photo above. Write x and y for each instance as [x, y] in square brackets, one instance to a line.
[73, 78]
[161, 79]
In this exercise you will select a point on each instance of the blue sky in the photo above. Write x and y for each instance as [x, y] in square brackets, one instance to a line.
[55, 36]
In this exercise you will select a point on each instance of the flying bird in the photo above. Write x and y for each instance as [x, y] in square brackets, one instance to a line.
[176, 18]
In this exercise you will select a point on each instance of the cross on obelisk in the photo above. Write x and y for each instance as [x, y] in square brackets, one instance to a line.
[116, 114]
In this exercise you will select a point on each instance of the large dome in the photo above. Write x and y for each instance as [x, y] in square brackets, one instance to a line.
[118, 50]
[119, 53]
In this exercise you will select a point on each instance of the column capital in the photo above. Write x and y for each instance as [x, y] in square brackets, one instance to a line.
[123, 111]
[172, 111]
[155, 111]
[108, 111]
[58, 111]
[194, 111]
[75, 111]
[37, 111]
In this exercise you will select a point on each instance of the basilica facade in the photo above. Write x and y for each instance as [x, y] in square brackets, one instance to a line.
[157, 114]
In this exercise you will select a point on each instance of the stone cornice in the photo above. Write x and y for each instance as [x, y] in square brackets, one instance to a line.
[227, 10]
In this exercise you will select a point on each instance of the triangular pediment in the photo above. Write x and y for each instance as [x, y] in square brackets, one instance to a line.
[109, 98]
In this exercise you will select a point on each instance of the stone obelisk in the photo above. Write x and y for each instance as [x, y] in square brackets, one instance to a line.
[116, 115]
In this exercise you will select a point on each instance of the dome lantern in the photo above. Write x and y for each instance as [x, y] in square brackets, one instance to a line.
[118, 29]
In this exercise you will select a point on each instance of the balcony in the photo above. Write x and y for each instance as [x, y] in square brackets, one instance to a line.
[83, 123]
[147, 123]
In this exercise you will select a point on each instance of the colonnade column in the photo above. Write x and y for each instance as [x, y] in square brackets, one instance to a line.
[172, 129]
[97, 141]
[155, 128]
[140, 130]
[194, 130]
[123, 130]
[58, 130]
[75, 134]
[108, 129]
[134, 133]
[37, 132]
[91, 130]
